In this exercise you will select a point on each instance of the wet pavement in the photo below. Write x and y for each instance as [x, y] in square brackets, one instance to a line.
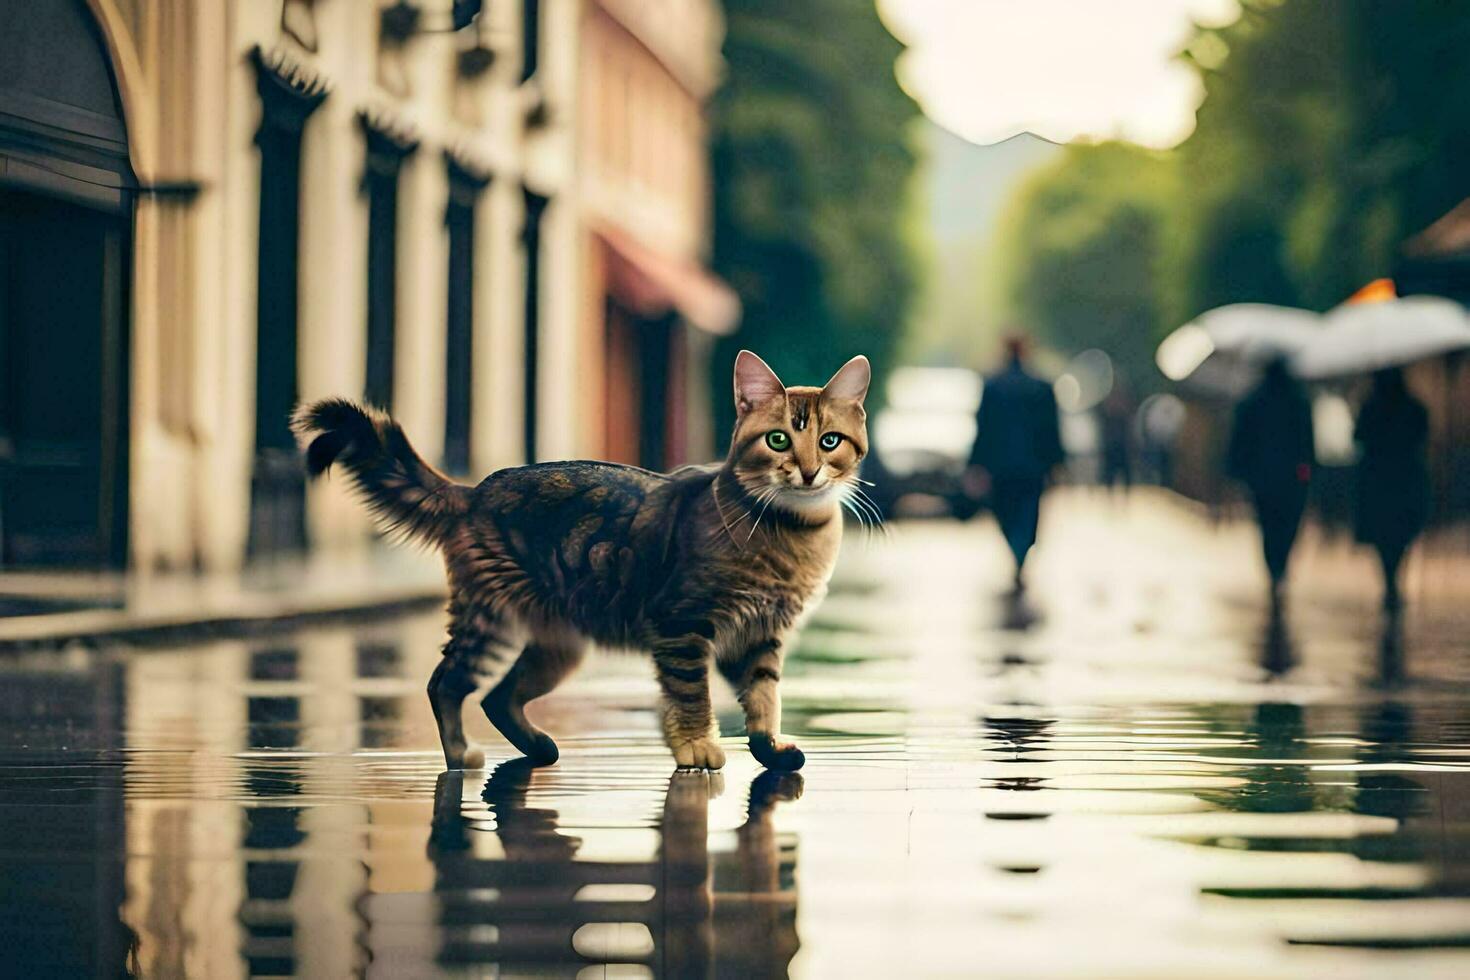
[50, 608]
[1130, 772]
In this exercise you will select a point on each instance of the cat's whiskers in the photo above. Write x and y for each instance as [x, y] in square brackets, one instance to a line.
[879, 521]
[856, 503]
[864, 521]
[863, 508]
[762, 497]
[868, 504]
[759, 496]
[720, 509]
[771, 494]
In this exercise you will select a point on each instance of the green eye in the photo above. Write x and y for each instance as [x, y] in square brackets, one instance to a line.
[778, 440]
[831, 441]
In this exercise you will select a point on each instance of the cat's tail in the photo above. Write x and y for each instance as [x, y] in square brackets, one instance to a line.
[398, 486]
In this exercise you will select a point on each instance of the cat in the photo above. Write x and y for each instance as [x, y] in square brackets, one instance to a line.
[707, 568]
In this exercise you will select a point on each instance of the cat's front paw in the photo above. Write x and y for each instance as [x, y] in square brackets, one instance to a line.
[780, 756]
[699, 753]
[543, 751]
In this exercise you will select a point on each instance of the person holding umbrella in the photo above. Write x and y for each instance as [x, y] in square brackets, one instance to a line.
[1271, 452]
[1393, 474]
[1392, 431]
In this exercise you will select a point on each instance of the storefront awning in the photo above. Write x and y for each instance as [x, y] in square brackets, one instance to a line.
[651, 283]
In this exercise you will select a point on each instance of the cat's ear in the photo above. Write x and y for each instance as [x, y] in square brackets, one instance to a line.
[755, 382]
[851, 381]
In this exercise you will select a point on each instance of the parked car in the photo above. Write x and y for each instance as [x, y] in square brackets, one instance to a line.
[921, 440]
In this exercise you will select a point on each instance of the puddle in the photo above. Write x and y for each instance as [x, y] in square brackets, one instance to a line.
[1047, 802]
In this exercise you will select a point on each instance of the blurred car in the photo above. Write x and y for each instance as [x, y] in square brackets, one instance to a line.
[921, 441]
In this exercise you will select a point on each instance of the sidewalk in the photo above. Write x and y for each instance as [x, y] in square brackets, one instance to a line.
[53, 609]
[1154, 578]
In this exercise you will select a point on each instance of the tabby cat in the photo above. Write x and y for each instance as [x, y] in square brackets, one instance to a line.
[707, 567]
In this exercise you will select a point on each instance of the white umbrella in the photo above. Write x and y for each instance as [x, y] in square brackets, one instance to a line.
[1368, 336]
[1221, 351]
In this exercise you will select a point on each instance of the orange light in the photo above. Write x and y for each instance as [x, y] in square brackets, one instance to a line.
[1377, 291]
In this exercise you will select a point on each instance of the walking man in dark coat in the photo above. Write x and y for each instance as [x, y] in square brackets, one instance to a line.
[1018, 441]
[1393, 474]
[1271, 452]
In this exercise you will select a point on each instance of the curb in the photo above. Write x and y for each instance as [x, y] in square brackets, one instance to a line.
[97, 628]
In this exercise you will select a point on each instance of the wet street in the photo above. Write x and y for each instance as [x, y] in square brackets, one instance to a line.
[1130, 772]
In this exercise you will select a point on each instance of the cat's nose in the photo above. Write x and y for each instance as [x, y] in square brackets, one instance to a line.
[809, 478]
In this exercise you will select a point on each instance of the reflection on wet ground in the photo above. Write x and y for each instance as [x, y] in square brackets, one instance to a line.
[1128, 771]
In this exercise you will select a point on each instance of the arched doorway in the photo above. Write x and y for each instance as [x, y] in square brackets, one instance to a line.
[66, 205]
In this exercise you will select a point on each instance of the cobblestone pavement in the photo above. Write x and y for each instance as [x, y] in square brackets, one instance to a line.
[1129, 771]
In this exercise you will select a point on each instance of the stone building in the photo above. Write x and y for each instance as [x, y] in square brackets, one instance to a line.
[212, 208]
[651, 307]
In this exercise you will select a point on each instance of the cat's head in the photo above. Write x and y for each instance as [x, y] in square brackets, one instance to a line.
[798, 448]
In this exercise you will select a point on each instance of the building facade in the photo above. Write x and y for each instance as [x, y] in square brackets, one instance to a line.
[651, 308]
[210, 210]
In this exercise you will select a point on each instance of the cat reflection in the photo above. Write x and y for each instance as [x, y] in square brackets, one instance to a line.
[684, 912]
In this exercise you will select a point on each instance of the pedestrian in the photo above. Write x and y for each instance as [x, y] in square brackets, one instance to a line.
[1018, 441]
[1393, 474]
[1116, 418]
[1271, 452]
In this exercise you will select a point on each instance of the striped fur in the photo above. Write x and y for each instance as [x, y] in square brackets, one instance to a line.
[404, 492]
[708, 569]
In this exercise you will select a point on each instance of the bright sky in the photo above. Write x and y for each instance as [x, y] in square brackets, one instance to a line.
[988, 69]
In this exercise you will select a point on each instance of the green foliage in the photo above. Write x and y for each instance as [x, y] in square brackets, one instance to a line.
[811, 166]
[1082, 250]
[1330, 131]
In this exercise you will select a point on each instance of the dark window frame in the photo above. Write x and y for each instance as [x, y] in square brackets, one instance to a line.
[387, 148]
[535, 205]
[289, 95]
[530, 39]
[466, 185]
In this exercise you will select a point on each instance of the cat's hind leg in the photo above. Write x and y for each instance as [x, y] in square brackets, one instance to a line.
[476, 658]
[449, 685]
[540, 668]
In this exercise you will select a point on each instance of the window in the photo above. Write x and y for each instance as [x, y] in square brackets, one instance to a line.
[465, 185]
[387, 149]
[531, 242]
[288, 97]
[530, 38]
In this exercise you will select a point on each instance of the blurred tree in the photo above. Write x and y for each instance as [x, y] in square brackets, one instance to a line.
[1081, 247]
[1330, 131]
[811, 166]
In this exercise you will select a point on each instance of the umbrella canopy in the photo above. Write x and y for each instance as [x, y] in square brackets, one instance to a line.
[1221, 352]
[1366, 337]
